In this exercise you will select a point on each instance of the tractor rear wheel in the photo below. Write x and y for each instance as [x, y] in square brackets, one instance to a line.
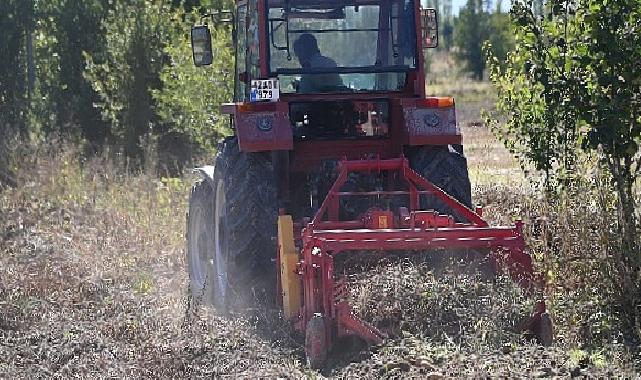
[446, 167]
[241, 224]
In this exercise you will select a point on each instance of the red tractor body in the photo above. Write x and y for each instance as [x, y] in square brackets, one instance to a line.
[330, 107]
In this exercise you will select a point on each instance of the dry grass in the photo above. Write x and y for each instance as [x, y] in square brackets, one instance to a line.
[92, 284]
[489, 162]
[92, 281]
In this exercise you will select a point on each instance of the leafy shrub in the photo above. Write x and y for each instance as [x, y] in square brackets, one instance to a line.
[569, 92]
[136, 33]
[190, 96]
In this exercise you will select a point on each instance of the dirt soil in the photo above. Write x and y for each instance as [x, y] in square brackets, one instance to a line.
[64, 315]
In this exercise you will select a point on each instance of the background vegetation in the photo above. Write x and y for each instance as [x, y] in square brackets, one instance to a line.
[570, 92]
[118, 73]
[112, 73]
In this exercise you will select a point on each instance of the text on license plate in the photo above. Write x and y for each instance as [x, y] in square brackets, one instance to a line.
[264, 90]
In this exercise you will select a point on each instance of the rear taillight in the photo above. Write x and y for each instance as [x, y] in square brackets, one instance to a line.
[435, 102]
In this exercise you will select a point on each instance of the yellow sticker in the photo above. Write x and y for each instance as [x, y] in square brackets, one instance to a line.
[382, 221]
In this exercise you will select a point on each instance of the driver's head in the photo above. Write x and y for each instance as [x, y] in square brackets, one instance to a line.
[306, 47]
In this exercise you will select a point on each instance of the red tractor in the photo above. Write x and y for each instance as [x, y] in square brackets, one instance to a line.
[336, 151]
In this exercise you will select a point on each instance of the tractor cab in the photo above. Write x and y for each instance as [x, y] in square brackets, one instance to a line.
[342, 47]
[337, 69]
[322, 47]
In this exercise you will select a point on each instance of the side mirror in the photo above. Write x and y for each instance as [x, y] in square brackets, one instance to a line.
[201, 45]
[429, 28]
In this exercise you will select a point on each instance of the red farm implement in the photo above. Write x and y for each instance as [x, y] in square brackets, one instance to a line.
[323, 313]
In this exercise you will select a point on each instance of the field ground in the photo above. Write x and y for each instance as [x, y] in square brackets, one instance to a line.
[92, 284]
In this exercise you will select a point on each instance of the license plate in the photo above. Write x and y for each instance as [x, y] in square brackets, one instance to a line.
[264, 90]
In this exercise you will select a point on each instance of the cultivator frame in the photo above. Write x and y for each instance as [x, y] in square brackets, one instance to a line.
[317, 301]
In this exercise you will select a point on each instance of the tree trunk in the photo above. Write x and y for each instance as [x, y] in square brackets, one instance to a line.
[626, 209]
[7, 178]
[630, 255]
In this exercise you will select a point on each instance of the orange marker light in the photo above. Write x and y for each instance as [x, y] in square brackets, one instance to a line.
[257, 107]
[245, 107]
[445, 102]
[436, 102]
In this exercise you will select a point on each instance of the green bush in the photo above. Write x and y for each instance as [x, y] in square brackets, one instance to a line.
[190, 97]
[570, 90]
[136, 34]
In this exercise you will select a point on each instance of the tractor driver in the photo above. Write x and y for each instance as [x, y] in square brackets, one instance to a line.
[310, 57]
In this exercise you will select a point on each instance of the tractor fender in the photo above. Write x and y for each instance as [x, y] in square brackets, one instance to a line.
[207, 172]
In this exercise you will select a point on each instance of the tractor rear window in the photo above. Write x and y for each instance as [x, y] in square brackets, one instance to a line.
[320, 46]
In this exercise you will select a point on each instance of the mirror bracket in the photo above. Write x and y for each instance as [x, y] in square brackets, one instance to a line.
[219, 17]
[429, 28]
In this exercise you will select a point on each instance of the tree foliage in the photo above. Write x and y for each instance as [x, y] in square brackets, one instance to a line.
[573, 84]
[471, 31]
[535, 86]
[17, 19]
[609, 59]
[190, 98]
[63, 100]
[105, 71]
[124, 78]
[67, 28]
[475, 26]
[16, 22]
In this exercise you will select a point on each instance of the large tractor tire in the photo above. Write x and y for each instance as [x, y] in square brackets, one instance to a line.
[231, 224]
[443, 165]
[446, 167]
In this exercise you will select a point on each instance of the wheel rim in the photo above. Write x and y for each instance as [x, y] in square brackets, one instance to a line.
[198, 246]
[219, 242]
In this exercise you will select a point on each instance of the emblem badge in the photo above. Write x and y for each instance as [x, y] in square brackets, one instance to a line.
[432, 120]
[264, 124]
